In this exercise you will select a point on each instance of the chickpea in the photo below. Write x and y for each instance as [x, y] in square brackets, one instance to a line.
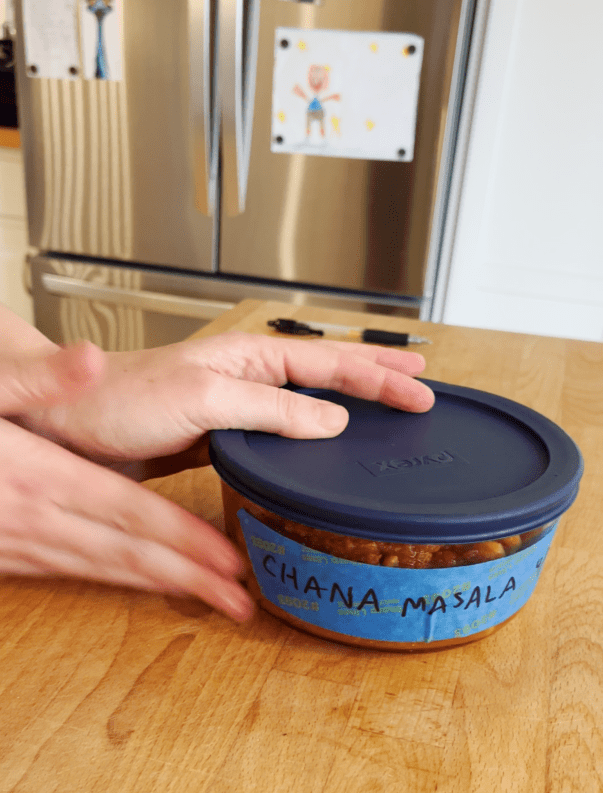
[363, 551]
[511, 544]
[446, 557]
[531, 536]
[484, 552]
[390, 560]
[389, 554]
[415, 556]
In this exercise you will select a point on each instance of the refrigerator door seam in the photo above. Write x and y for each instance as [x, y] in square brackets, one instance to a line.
[202, 117]
[238, 33]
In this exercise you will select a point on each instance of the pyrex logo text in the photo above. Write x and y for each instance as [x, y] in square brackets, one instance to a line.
[398, 465]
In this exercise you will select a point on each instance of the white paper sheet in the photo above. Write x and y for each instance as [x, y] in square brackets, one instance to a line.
[67, 40]
[51, 38]
[346, 93]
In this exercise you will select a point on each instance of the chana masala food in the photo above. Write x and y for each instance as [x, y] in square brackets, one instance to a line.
[387, 554]
[364, 551]
[408, 531]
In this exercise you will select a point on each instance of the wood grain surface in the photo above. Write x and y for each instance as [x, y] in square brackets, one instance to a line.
[112, 690]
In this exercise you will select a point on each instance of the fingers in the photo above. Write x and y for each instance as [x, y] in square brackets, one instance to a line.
[377, 376]
[406, 362]
[28, 382]
[139, 513]
[227, 403]
[365, 371]
[119, 559]
[232, 384]
[195, 456]
[62, 515]
[122, 561]
[250, 356]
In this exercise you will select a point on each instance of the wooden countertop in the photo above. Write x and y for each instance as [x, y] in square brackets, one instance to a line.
[118, 691]
[10, 138]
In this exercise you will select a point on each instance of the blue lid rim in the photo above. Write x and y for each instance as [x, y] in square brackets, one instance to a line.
[494, 525]
[541, 501]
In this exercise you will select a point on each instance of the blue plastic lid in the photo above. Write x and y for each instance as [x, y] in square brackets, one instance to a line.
[475, 467]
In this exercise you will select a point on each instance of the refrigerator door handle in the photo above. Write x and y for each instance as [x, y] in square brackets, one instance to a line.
[238, 30]
[65, 286]
[203, 115]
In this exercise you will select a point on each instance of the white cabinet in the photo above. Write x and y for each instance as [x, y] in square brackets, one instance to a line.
[13, 234]
[12, 184]
[527, 249]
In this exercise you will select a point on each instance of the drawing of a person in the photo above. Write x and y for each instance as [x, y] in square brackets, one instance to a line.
[318, 80]
[100, 9]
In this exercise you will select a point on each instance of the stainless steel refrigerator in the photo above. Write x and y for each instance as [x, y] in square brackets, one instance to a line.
[181, 156]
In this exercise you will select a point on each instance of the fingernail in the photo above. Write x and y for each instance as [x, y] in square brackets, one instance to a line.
[429, 399]
[333, 418]
[237, 603]
[231, 562]
[420, 360]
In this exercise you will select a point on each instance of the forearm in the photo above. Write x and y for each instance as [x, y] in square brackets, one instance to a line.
[18, 336]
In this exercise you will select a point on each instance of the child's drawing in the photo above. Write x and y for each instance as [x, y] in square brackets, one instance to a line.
[318, 80]
[100, 9]
[359, 89]
[101, 39]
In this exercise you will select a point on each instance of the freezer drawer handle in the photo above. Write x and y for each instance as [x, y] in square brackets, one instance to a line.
[64, 286]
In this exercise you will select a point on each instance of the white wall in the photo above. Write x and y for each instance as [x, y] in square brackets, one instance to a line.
[13, 233]
[528, 248]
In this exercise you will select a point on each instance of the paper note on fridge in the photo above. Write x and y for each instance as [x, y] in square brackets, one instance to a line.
[339, 93]
[71, 39]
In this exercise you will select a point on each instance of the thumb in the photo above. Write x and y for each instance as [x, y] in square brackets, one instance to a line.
[34, 381]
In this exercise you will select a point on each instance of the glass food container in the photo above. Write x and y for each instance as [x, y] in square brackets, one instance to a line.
[407, 531]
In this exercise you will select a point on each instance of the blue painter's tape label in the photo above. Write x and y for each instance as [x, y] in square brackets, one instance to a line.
[386, 603]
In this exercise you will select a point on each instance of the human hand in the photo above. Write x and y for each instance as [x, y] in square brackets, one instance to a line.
[159, 402]
[43, 378]
[63, 515]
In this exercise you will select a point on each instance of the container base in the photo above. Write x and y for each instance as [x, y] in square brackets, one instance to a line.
[342, 638]
[367, 644]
